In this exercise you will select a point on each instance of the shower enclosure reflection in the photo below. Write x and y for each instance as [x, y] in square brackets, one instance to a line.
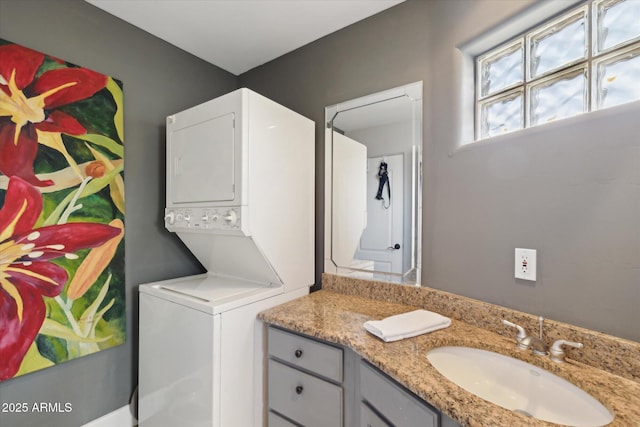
[373, 185]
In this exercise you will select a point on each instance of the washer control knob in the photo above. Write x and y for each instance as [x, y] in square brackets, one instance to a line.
[187, 216]
[170, 218]
[231, 217]
[205, 217]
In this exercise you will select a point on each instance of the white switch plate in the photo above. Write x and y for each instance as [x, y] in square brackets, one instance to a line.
[526, 264]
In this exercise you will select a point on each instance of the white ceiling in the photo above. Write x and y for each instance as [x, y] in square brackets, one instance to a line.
[238, 35]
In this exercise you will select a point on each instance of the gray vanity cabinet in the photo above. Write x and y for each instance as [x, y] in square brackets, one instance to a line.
[276, 420]
[313, 383]
[385, 403]
[304, 381]
[368, 417]
[392, 402]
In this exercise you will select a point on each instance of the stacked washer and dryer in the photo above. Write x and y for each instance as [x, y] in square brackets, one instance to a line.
[240, 195]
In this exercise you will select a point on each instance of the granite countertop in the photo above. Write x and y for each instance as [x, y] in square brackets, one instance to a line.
[338, 318]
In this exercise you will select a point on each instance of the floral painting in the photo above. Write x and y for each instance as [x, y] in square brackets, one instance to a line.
[61, 211]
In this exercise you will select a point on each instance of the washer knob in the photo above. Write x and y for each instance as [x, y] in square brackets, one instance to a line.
[231, 217]
[170, 218]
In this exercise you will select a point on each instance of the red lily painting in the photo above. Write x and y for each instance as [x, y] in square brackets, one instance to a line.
[62, 205]
[26, 271]
[30, 103]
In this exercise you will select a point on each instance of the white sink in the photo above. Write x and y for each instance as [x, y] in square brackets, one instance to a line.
[519, 386]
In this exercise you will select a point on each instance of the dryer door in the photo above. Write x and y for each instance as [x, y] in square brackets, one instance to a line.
[201, 159]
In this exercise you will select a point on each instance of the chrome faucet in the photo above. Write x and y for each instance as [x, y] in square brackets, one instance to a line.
[557, 352]
[528, 341]
[535, 343]
[521, 333]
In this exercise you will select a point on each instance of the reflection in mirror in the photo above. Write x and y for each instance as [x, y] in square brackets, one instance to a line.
[373, 186]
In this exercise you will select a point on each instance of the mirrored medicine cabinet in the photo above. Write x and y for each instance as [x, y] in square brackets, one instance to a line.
[373, 186]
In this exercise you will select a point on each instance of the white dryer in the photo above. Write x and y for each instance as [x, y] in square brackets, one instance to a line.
[240, 195]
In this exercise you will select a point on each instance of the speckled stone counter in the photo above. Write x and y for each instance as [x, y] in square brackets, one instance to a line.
[338, 317]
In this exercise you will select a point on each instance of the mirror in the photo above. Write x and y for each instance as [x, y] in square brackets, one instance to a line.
[373, 186]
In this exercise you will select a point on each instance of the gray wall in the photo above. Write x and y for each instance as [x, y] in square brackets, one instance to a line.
[581, 210]
[159, 79]
[387, 50]
[571, 189]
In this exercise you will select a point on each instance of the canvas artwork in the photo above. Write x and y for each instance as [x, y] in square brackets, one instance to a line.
[62, 289]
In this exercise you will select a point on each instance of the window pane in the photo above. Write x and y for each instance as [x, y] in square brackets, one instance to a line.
[618, 21]
[501, 115]
[617, 79]
[501, 69]
[557, 98]
[558, 44]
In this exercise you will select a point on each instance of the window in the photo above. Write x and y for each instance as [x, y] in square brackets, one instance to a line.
[584, 60]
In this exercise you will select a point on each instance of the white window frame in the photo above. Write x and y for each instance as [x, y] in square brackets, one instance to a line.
[546, 16]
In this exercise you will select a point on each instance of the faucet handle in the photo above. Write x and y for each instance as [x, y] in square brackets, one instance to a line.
[556, 352]
[521, 333]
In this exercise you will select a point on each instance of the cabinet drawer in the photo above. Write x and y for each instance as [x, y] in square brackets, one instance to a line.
[304, 398]
[322, 359]
[276, 420]
[368, 418]
[395, 403]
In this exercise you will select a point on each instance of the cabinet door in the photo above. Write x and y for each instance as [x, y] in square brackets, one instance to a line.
[303, 398]
[276, 420]
[368, 418]
[396, 404]
[319, 358]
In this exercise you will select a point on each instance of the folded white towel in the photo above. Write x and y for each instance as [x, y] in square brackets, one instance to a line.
[407, 325]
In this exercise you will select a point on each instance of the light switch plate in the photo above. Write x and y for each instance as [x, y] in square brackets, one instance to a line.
[526, 264]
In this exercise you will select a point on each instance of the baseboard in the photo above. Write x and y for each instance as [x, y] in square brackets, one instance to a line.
[118, 418]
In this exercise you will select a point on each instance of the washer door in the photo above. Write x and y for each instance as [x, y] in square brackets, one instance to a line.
[176, 365]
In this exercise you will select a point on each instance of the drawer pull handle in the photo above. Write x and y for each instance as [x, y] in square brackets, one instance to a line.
[298, 353]
[299, 389]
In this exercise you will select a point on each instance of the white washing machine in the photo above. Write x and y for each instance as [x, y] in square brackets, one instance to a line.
[240, 195]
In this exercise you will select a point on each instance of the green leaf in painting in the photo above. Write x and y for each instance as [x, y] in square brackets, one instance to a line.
[95, 185]
[54, 329]
[103, 141]
[57, 212]
[115, 328]
[60, 215]
[89, 318]
[118, 118]
[88, 321]
[33, 361]
[98, 317]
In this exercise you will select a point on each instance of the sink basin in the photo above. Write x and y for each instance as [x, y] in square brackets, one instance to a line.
[519, 386]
